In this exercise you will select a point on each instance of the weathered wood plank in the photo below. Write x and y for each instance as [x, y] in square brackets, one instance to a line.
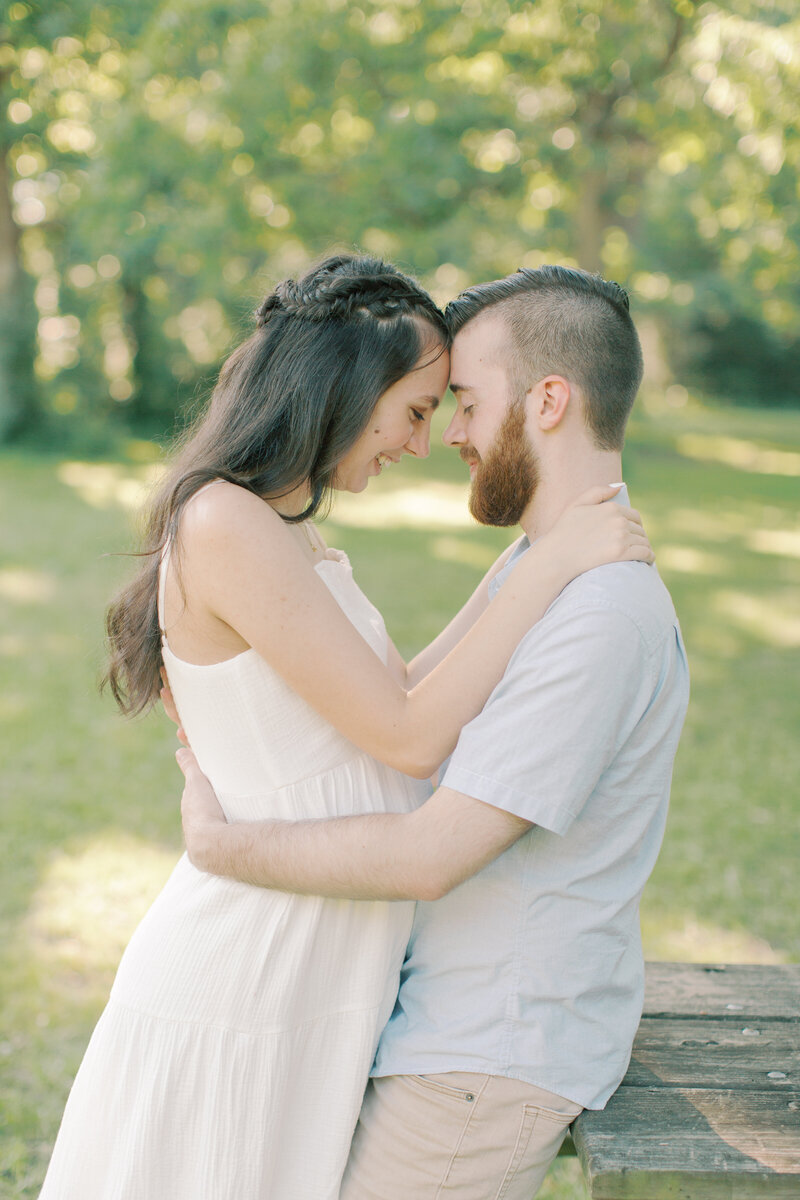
[717, 1054]
[710, 1107]
[662, 1144]
[737, 991]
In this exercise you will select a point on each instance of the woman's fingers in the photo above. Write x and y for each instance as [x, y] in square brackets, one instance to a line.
[599, 493]
[630, 514]
[640, 549]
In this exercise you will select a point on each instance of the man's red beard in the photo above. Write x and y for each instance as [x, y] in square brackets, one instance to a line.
[506, 479]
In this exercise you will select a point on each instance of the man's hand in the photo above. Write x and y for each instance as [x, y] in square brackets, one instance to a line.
[419, 855]
[200, 812]
[170, 708]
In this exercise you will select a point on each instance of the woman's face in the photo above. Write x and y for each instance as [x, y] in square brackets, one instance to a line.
[400, 424]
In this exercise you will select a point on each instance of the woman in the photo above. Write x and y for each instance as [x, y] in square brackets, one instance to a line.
[231, 1059]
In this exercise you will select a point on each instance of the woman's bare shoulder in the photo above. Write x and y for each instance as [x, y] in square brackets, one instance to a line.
[222, 510]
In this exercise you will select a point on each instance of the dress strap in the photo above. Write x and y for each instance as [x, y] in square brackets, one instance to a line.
[162, 581]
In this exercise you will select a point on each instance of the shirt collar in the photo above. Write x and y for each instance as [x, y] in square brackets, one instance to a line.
[501, 576]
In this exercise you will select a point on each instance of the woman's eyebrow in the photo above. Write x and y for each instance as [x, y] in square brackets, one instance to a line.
[433, 401]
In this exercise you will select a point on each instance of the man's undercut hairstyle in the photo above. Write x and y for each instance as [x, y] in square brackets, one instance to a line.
[563, 321]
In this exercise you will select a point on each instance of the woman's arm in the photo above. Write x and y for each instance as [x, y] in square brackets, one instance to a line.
[465, 618]
[243, 564]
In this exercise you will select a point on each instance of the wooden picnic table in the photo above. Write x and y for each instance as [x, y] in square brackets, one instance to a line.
[710, 1106]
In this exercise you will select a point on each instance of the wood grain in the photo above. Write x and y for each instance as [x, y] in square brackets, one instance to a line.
[651, 1143]
[710, 1106]
[716, 1054]
[737, 992]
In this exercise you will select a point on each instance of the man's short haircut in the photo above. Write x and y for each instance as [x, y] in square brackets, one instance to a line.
[563, 321]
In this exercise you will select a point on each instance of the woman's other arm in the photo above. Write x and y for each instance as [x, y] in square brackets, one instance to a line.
[462, 622]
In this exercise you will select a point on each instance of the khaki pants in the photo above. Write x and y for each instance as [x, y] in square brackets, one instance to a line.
[474, 1137]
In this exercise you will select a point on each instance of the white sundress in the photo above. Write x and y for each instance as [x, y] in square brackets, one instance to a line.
[231, 1059]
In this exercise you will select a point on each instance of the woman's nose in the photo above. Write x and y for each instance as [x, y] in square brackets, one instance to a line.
[419, 444]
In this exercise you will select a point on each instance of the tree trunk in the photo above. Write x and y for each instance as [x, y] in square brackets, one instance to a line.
[17, 316]
[592, 220]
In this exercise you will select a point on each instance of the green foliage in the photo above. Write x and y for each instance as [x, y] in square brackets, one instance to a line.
[169, 158]
[742, 357]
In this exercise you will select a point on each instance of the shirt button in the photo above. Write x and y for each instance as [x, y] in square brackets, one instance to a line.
[469, 1096]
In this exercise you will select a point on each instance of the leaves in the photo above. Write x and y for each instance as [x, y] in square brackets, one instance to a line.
[169, 158]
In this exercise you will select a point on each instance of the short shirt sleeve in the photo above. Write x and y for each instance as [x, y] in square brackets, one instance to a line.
[571, 695]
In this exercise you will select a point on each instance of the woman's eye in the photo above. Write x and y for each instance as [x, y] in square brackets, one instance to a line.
[418, 416]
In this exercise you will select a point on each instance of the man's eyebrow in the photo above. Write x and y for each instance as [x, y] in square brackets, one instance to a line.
[455, 388]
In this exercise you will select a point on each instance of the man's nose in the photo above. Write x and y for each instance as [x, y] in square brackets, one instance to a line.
[454, 434]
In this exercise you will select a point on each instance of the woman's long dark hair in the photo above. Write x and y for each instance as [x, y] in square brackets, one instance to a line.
[289, 403]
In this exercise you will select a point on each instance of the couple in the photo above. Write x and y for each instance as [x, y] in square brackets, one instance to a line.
[232, 1058]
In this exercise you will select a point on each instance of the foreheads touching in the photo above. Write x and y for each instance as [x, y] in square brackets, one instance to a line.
[295, 397]
[558, 321]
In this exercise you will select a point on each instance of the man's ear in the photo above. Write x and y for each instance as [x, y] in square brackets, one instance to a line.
[548, 400]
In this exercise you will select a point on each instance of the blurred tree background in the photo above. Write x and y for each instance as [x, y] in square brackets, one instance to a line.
[164, 160]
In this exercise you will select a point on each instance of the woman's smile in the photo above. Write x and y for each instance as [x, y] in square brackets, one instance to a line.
[400, 424]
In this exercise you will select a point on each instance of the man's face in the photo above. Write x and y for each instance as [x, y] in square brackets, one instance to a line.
[489, 425]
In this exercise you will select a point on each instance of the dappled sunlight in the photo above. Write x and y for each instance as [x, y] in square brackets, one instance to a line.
[758, 1144]
[674, 937]
[736, 452]
[713, 527]
[90, 900]
[690, 560]
[24, 586]
[12, 646]
[60, 643]
[711, 647]
[772, 619]
[782, 542]
[435, 505]
[460, 550]
[13, 705]
[110, 485]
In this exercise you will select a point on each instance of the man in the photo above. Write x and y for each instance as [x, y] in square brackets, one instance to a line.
[522, 987]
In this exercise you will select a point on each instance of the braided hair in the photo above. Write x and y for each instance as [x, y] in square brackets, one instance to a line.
[347, 285]
[289, 403]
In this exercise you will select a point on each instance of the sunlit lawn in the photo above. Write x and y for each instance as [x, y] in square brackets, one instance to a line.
[89, 801]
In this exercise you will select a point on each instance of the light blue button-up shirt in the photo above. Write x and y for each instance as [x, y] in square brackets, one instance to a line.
[533, 968]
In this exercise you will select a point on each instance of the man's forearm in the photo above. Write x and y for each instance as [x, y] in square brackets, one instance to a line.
[371, 857]
[418, 855]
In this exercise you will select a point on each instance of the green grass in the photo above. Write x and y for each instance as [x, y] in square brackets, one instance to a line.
[90, 802]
